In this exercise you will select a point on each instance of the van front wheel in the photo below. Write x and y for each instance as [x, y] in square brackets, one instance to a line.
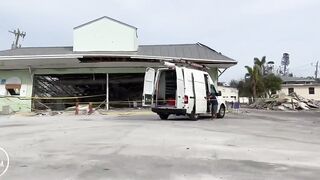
[163, 116]
[222, 112]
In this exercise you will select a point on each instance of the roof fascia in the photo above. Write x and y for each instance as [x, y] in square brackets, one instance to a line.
[66, 56]
[104, 17]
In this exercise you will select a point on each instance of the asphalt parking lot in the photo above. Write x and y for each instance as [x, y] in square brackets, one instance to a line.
[251, 145]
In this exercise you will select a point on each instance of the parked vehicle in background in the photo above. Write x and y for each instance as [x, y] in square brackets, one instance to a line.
[180, 90]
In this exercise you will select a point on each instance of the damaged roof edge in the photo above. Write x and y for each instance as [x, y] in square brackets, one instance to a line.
[68, 56]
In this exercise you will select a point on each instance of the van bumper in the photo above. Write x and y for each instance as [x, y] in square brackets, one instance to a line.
[165, 110]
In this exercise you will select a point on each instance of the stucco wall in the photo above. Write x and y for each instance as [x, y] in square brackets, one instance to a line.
[20, 102]
[105, 35]
[303, 91]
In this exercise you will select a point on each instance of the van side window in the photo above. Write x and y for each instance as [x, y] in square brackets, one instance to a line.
[213, 89]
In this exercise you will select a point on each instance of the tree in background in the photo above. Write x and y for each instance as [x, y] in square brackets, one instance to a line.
[261, 64]
[254, 77]
[272, 84]
[234, 83]
[243, 87]
[257, 82]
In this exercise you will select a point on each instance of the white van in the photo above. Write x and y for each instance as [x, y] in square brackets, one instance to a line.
[180, 91]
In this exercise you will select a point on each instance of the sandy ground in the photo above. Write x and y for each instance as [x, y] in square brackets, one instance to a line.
[137, 145]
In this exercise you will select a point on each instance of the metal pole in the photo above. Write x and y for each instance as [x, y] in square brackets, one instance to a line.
[107, 91]
[316, 73]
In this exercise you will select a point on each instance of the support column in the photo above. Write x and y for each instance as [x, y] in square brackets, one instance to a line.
[107, 91]
[213, 72]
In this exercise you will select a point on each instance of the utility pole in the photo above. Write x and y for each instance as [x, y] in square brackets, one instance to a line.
[17, 34]
[316, 72]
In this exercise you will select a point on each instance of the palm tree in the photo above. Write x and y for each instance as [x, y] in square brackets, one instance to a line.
[260, 63]
[254, 77]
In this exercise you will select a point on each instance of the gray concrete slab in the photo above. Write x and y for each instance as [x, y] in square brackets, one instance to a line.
[254, 145]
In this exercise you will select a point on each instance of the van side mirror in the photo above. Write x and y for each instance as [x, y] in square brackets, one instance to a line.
[218, 93]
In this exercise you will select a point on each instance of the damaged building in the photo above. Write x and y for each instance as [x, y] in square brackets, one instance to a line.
[104, 66]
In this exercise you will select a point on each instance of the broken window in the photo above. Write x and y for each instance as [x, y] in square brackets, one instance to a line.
[311, 90]
[13, 91]
[125, 90]
[67, 89]
[13, 86]
[290, 90]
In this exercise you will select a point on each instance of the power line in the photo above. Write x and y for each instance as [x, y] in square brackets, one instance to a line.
[303, 66]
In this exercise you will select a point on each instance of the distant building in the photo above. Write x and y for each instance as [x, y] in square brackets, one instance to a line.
[305, 87]
[229, 94]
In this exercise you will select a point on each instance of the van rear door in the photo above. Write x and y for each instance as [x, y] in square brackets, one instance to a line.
[180, 88]
[200, 92]
[148, 87]
[189, 91]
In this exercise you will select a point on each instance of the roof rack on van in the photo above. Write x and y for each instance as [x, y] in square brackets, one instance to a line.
[183, 63]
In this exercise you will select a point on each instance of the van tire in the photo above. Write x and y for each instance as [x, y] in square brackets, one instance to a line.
[222, 111]
[193, 116]
[163, 116]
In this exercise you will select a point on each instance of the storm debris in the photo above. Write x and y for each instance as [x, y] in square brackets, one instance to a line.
[283, 102]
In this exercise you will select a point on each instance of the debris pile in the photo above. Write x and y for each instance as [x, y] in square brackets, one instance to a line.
[283, 102]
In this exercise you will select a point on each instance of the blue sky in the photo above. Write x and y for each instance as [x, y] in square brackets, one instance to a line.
[239, 29]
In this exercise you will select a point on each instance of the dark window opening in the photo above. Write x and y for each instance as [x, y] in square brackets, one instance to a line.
[13, 89]
[125, 90]
[290, 90]
[311, 90]
[14, 92]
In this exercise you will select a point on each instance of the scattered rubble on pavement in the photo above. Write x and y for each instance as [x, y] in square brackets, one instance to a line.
[284, 102]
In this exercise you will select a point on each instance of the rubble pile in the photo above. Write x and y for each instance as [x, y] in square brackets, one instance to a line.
[283, 102]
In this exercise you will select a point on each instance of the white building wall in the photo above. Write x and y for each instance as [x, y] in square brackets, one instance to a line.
[303, 90]
[229, 93]
[105, 35]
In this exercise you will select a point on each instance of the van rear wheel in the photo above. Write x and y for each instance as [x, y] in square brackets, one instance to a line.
[222, 112]
[163, 116]
[193, 116]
